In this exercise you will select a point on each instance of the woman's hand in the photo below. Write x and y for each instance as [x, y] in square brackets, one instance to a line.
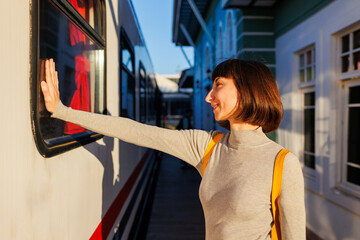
[50, 87]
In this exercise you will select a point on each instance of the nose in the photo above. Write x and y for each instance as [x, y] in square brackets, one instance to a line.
[209, 97]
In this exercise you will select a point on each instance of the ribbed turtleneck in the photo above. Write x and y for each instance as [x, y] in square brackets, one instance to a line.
[239, 138]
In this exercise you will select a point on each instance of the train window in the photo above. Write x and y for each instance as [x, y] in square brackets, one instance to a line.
[151, 105]
[127, 85]
[78, 49]
[143, 93]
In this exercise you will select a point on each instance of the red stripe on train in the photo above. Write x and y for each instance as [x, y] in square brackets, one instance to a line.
[108, 221]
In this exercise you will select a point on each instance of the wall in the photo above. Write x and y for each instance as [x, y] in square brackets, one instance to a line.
[332, 213]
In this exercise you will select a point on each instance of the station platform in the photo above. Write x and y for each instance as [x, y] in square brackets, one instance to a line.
[176, 210]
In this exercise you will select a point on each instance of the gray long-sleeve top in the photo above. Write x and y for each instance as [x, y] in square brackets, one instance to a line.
[235, 190]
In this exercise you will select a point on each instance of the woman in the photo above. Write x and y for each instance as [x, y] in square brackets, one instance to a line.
[235, 191]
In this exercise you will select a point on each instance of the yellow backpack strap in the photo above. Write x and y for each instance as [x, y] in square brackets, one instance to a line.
[210, 149]
[275, 193]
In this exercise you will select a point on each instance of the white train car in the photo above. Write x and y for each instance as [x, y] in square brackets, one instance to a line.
[58, 180]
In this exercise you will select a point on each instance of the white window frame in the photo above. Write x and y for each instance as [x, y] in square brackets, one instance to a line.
[311, 65]
[312, 176]
[342, 170]
[351, 73]
[334, 190]
[346, 80]
[308, 170]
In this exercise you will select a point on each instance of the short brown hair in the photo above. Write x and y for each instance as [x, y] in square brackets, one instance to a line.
[259, 99]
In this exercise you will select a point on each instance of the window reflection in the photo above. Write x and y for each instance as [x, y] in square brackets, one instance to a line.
[309, 129]
[345, 63]
[127, 96]
[345, 43]
[92, 12]
[356, 39]
[356, 61]
[127, 79]
[143, 94]
[79, 62]
[353, 134]
[127, 59]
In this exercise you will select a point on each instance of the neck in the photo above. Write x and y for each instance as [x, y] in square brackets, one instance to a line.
[242, 126]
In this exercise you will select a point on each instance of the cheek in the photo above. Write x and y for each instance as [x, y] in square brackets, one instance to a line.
[233, 99]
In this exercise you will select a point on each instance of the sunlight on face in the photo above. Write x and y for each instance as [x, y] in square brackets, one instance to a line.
[223, 98]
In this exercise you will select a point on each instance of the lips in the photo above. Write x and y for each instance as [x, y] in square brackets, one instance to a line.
[214, 106]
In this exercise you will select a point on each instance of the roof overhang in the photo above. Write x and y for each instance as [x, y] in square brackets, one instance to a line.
[184, 15]
[247, 3]
[187, 78]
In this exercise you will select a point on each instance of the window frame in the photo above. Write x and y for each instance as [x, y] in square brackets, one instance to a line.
[349, 74]
[312, 65]
[143, 116]
[62, 144]
[342, 180]
[345, 80]
[312, 176]
[304, 91]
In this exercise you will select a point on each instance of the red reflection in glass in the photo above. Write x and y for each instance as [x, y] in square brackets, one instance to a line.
[81, 97]
[79, 5]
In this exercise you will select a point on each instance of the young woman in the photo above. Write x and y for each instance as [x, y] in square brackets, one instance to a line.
[235, 191]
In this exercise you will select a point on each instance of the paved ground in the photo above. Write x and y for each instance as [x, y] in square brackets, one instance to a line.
[176, 212]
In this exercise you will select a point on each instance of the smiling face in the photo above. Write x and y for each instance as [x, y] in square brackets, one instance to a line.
[223, 98]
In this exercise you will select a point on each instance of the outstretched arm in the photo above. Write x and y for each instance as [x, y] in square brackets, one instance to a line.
[187, 145]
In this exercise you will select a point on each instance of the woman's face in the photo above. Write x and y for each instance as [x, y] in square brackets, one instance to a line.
[223, 98]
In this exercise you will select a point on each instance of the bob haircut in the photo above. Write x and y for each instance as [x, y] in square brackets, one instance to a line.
[259, 99]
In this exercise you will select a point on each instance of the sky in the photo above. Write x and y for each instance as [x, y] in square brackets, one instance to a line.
[155, 18]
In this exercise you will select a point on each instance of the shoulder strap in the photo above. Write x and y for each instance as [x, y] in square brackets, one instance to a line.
[210, 149]
[275, 193]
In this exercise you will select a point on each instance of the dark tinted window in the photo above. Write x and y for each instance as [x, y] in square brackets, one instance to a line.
[80, 61]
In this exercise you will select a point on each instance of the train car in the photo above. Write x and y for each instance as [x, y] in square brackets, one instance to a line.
[58, 180]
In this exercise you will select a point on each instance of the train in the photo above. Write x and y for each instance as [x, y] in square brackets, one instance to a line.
[59, 180]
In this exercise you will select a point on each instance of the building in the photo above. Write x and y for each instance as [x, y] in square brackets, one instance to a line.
[176, 95]
[313, 49]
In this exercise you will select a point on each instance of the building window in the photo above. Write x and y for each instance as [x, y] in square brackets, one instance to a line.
[307, 66]
[127, 84]
[309, 129]
[351, 169]
[306, 82]
[73, 34]
[350, 52]
[220, 44]
[229, 33]
[350, 80]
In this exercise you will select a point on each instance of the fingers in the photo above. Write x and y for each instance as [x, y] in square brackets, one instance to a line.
[47, 72]
[53, 71]
[56, 80]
